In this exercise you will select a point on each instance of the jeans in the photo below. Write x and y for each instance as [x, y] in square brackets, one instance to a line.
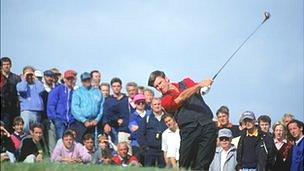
[30, 117]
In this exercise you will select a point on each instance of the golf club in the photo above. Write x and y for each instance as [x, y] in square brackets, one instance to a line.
[267, 15]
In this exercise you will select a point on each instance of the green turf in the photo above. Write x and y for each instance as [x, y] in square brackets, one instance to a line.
[47, 166]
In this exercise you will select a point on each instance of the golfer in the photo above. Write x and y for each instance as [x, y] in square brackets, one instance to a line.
[194, 117]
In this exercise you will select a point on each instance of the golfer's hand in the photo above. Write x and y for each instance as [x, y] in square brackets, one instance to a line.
[206, 83]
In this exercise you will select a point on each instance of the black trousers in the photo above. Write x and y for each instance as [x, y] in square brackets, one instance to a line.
[197, 146]
[154, 160]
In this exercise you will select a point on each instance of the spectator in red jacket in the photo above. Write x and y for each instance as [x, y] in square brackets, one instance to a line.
[123, 158]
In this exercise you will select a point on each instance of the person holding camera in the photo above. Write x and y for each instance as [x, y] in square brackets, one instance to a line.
[149, 135]
[31, 103]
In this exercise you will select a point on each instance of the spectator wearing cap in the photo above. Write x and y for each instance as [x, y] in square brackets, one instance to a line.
[57, 77]
[9, 98]
[38, 74]
[87, 107]
[256, 149]
[296, 129]
[264, 122]
[59, 104]
[171, 142]
[222, 115]
[96, 77]
[49, 131]
[225, 155]
[134, 121]
[31, 103]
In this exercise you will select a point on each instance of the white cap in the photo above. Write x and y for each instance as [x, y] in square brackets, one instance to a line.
[38, 73]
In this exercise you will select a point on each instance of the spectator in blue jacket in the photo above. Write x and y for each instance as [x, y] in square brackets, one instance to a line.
[134, 121]
[31, 103]
[117, 109]
[87, 107]
[149, 135]
[295, 128]
[59, 104]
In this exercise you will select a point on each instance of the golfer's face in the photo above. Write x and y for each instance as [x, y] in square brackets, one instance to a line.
[161, 84]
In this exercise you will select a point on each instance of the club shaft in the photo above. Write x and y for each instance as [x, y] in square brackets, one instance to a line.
[238, 49]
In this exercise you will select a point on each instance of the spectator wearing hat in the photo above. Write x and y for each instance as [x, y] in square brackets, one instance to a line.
[87, 107]
[225, 155]
[222, 115]
[296, 129]
[134, 121]
[9, 98]
[171, 142]
[256, 149]
[31, 102]
[49, 131]
[150, 135]
[57, 77]
[38, 74]
[59, 105]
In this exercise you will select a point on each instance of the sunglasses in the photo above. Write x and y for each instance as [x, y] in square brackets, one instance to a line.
[141, 103]
[224, 138]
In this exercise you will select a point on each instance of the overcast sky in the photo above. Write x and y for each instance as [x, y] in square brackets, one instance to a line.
[131, 38]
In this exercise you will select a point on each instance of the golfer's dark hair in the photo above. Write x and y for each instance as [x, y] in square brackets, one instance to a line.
[264, 118]
[223, 109]
[116, 80]
[153, 76]
[6, 59]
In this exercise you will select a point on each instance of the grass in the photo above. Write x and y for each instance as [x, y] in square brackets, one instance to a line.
[48, 166]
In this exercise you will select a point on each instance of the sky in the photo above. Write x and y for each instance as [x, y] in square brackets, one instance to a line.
[190, 38]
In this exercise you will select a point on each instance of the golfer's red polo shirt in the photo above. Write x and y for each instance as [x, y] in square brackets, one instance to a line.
[167, 100]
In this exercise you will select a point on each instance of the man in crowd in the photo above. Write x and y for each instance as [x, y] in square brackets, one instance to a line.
[256, 149]
[264, 122]
[33, 149]
[105, 89]
[96, 77]
[9, 98]
[149, 135]
[123, 158]
[59, 104]
[70, 151]
[222, 115]
[295, 127]
[194, 117]
[225, 155]
[31, 103]
[87, 107]
[171, 142]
